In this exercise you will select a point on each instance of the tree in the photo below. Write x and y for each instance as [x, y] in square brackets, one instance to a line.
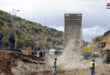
[1, 22]
[98, 38]
[106, 33]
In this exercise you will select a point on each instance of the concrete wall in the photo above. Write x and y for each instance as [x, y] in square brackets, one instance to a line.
[73, 30]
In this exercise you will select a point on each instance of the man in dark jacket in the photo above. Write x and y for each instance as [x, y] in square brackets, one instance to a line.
[1, 37]
[12, 41]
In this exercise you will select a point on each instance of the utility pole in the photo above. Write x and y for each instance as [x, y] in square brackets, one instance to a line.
[33, 39]
[15, 23]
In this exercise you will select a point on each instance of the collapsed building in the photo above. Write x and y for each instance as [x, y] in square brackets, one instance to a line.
[73, 30]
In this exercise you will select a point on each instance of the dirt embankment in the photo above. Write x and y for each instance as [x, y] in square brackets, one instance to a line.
[13, 63]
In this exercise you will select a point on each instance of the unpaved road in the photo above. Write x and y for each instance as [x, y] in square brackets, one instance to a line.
[100, 70]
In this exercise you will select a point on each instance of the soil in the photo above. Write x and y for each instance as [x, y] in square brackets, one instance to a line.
[13, 63]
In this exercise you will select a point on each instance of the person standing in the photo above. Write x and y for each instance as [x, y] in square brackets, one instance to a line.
[54, 66]
[92, 67]
[1, 37]
[12, 41]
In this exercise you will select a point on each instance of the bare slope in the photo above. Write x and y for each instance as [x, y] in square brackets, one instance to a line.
[13, 63]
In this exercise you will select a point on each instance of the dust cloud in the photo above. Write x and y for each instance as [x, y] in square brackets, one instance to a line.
[72, 58]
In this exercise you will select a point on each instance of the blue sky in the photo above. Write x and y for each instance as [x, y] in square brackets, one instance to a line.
[96, 18]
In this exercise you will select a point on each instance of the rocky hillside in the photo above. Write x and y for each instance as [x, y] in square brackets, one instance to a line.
[28, 33]
[101, 37]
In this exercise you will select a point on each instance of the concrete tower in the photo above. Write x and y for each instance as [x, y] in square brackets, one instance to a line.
[73, 30]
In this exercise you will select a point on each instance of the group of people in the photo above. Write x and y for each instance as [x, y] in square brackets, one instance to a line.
[11, 40]
[92, 67]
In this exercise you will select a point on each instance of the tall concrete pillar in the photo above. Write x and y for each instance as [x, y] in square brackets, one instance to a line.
[73, 30]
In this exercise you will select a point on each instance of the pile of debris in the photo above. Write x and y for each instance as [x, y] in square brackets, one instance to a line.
[13, 63]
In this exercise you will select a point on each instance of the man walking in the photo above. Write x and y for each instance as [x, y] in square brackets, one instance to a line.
[1, 37]
[92, 67]
[54, 66]
[12, 41]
